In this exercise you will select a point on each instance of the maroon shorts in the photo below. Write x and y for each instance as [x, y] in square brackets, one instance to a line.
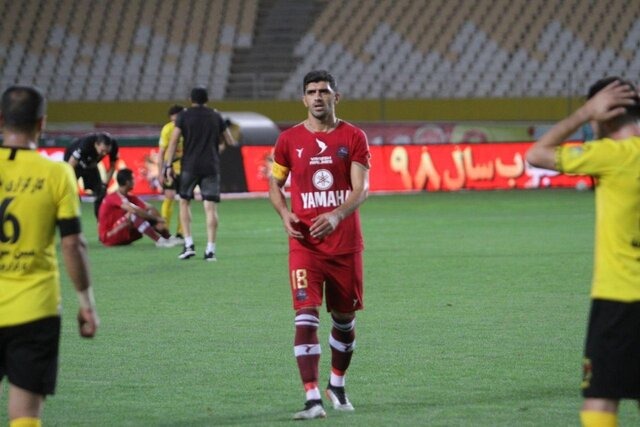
[339, 276]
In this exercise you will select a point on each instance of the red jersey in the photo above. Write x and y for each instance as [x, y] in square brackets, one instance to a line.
[319, 165]
[111, 211]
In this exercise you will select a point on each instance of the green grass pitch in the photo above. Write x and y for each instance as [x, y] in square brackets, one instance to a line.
[475, 314]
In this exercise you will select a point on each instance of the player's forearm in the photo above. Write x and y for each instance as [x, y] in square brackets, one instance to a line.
[542, 153]
[73, 162]
[357, 196]
[228, 138]
[171, 150]
[76, 260]
[162, 155]
[359, 191]
[173, 144]
[277, 198]
[110, 173]
[562, 130]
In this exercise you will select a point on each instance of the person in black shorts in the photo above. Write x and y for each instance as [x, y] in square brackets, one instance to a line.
[37, 196]
[611, 364]
[205, 134]
[84, 154]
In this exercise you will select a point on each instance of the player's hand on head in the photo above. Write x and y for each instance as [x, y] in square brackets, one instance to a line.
[611, 101]
[88, 322]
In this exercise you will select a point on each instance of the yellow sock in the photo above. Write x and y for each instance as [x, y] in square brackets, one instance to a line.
[598, 419]
[167, 211]
[25, 422]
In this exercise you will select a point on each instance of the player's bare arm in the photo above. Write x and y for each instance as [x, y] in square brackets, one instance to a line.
[227, 140]
[162, 151]
[73, 162]
[171, 151]
[112, 170]
[76, 260]
[326, 223]
[606, 104]
[279, 202]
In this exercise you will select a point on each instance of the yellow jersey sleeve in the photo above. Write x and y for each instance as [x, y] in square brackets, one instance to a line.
[591, 158]
[68, 199]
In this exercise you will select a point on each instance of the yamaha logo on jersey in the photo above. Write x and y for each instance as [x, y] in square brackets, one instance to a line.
[322, 179]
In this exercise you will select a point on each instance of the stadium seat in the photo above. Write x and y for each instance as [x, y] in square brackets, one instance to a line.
[441, 47]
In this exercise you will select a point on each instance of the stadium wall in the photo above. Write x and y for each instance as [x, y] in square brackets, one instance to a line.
[476, 109]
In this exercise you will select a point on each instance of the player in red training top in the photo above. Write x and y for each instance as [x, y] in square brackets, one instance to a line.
[123, 218]
[327, 160]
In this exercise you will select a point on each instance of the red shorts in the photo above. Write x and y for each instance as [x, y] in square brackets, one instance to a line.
[339, 276]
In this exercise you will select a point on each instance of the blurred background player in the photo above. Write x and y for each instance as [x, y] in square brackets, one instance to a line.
[124, 218]
[84, 154]
[205, 133]
[170, 186]
[328, 162]
[612, 349]
[36, 196]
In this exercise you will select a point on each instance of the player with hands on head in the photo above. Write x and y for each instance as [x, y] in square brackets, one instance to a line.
[37, 195]
[611, 368]
[327, 160]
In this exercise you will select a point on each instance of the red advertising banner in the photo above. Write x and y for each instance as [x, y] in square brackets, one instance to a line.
[489, 166]
[437, 167]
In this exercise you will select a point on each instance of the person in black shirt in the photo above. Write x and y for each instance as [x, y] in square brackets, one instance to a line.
[84, 154]
[205, 134]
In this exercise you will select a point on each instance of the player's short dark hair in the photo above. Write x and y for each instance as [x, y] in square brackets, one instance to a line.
[105, 138]
[22, 107]
[633, 111]
[316, 76]
[124, 175]
[199, 95]
[175, 109]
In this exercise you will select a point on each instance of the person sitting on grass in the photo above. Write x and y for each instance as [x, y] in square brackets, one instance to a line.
[123, 218]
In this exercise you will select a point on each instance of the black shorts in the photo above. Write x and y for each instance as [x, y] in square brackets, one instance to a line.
[209, 186]
[175, 184]
[29, 355]
[612, 351]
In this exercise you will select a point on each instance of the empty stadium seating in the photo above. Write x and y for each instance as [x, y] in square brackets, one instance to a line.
[158, 49]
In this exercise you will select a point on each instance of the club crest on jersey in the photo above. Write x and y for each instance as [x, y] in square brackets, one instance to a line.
[343, 152]
[322, 179]
[301, 295]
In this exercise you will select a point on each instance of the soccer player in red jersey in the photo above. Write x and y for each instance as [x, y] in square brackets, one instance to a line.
[327, 161]
[123, 218]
